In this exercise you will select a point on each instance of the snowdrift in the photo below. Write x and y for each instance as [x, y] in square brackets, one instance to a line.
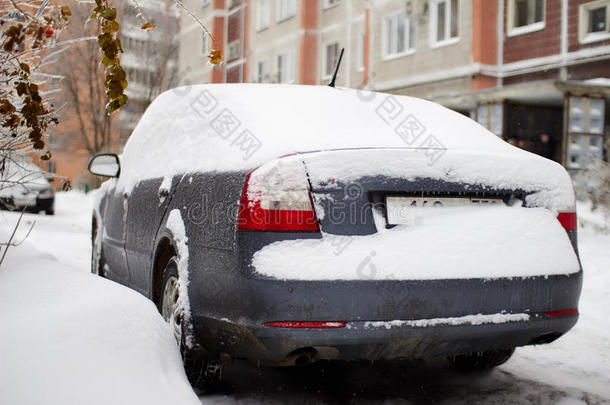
[69, 337]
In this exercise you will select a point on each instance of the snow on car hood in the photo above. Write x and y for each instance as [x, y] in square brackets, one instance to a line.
[237, 127]
[447, 243]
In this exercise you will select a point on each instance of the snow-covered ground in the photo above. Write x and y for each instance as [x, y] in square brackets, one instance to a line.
[54, 350]
[69, 337]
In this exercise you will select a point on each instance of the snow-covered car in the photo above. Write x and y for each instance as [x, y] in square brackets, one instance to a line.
[23, 186]
[289, 224]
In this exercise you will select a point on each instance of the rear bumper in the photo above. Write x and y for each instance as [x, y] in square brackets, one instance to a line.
[277, 347]
[35, 205]
[230, 315]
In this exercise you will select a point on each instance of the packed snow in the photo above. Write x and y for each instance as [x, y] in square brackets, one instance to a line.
[478, 319]
[470, 238]
[238, 127]
[82, 358]
[176, 226]
[69, 337]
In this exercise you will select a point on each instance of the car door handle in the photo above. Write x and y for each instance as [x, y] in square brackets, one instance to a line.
[163, 192]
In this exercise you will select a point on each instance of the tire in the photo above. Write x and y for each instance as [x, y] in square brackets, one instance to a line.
[50, 211]
[203, 373]
[481, 361]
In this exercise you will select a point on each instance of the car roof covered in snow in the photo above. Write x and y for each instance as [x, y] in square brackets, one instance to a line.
[226, 119]
[240, 126]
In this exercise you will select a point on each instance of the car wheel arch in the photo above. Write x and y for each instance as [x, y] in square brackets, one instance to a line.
[164, 251]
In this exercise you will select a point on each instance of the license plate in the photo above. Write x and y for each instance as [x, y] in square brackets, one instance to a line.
[402, 210]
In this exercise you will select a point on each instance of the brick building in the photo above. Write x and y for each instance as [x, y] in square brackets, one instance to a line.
[523, 68]
[149, 58]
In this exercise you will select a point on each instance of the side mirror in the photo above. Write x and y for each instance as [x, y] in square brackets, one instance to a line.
[105, 164]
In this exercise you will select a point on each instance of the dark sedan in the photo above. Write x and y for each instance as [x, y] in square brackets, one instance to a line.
[290, 224]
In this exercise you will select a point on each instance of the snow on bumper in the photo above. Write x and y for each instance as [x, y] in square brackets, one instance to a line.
[362, 340]
[487, 243]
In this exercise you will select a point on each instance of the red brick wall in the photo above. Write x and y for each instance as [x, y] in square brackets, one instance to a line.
[218, 30]
[536, 44]
[573, 21]
[550, 74]
[308, 60]
[589, 70]
[484, 41]
[234, 75]
[234, 31]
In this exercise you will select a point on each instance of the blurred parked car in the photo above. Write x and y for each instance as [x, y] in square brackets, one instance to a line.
[23, 186]
[290, 224]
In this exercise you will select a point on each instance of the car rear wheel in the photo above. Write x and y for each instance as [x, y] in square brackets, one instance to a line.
[203, 373]
[480, 361]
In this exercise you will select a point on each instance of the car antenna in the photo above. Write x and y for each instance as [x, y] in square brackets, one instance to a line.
[334, 79]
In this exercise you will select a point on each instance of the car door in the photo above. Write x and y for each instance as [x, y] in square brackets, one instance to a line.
[147, 205]
[113, 236]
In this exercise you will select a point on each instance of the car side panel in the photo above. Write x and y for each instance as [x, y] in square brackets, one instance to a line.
[209, 205]
[147, 205]
[113, 236]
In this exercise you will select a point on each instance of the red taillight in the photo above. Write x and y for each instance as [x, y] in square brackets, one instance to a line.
[272, 209]
[306, 325]
[568, 220]
[563, 312]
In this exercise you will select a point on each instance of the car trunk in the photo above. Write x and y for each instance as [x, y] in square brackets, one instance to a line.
[493, 249]
[394, 214]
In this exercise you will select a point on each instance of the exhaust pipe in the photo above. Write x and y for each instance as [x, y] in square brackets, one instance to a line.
[300, 357]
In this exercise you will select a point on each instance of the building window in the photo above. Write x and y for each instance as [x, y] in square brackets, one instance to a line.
[525, 16]
[234, 51]
[586, 131]
[491, 116]
[286, 9]
[399, 35]
[285, 68]
[205, 44]
[331, 3]
[594, 18]
[264, 14]
[361, 50]
[205, 3]
[52, 167]
[445, 21]
[261, 72]
[331, 56]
